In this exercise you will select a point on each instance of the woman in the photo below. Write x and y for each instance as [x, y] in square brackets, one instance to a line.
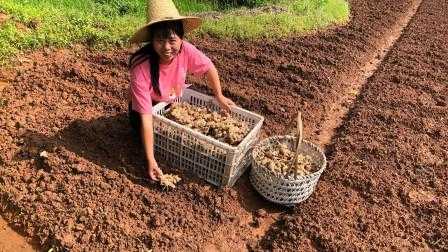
[158, 70]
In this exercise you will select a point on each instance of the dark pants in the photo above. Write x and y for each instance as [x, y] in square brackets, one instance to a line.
[134, 119]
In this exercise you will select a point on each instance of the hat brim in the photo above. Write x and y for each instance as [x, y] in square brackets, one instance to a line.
[142, 35]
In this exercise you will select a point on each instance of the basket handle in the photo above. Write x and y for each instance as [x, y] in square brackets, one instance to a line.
[299, 136]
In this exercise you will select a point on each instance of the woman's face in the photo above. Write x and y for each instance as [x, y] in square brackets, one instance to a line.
[167, 48]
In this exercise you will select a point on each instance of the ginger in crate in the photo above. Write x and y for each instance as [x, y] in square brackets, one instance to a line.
[221, 127]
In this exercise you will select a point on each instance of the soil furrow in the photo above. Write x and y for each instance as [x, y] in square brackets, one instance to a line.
[340, 107]
[280, 77]
[385, 187]
[89, 195]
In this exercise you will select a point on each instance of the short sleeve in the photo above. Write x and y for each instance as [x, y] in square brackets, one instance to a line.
[140, 89]
[197, 62]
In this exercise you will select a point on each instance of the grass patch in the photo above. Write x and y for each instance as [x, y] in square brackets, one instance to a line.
[30, 24]
[299, 16]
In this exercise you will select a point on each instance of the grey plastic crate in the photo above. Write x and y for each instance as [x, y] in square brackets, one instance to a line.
[286, 190]
[181, 147]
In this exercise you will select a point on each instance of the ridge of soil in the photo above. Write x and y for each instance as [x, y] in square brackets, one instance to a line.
[89, 195]
[339, 110]
[385, 188]
[279, 77]
[318, 74]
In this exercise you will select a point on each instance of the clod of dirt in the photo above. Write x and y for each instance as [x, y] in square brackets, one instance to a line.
[221, 127]
[33, 24]
[169, 180]
[419, 197]
[3, 84]
[279, 158]
[44, 154]
[261, 213]
[3, 18]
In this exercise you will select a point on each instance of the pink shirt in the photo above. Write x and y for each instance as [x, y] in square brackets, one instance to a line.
[171, 78]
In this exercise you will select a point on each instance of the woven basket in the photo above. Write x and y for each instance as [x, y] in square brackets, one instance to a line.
[181, 147]
[286, 190]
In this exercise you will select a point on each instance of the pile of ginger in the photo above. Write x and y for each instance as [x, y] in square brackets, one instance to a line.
[279, 158]
[222, 127]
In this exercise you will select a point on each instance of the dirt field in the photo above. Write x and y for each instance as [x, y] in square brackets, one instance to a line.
[90, 194]
[386, 188]
[11, 240]
[278, 77]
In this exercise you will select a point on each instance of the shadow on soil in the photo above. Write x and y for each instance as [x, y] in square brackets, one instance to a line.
[105, 141]
[110, 143]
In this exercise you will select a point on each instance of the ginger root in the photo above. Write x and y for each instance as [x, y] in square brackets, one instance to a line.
[169, 180]
[221, 127]
[278, 158]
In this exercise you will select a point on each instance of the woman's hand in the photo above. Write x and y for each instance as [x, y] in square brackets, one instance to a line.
[225, 103]
[153, 170]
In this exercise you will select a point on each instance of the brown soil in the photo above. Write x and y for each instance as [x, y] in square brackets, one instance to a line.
[12, 241]
[335, 115]
[386, 186]
[277, 78]
[90, 192]
[3, 85]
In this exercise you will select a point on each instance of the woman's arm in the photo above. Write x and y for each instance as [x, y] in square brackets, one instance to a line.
[214, 83]
[148, 143]
[198, 64]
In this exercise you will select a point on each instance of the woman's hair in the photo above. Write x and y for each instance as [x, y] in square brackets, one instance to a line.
[162, 30]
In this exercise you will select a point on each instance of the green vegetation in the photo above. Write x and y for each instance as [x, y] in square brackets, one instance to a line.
[227, 4]
[29, 24]
[299, 16]
[33, 23]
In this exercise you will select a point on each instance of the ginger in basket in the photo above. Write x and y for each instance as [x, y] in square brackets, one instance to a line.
[279, 159]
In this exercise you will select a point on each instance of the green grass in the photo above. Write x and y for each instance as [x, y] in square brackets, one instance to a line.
[103, 23]
[302, 16]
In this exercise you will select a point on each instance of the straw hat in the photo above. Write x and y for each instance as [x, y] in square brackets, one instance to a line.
[164, 10]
